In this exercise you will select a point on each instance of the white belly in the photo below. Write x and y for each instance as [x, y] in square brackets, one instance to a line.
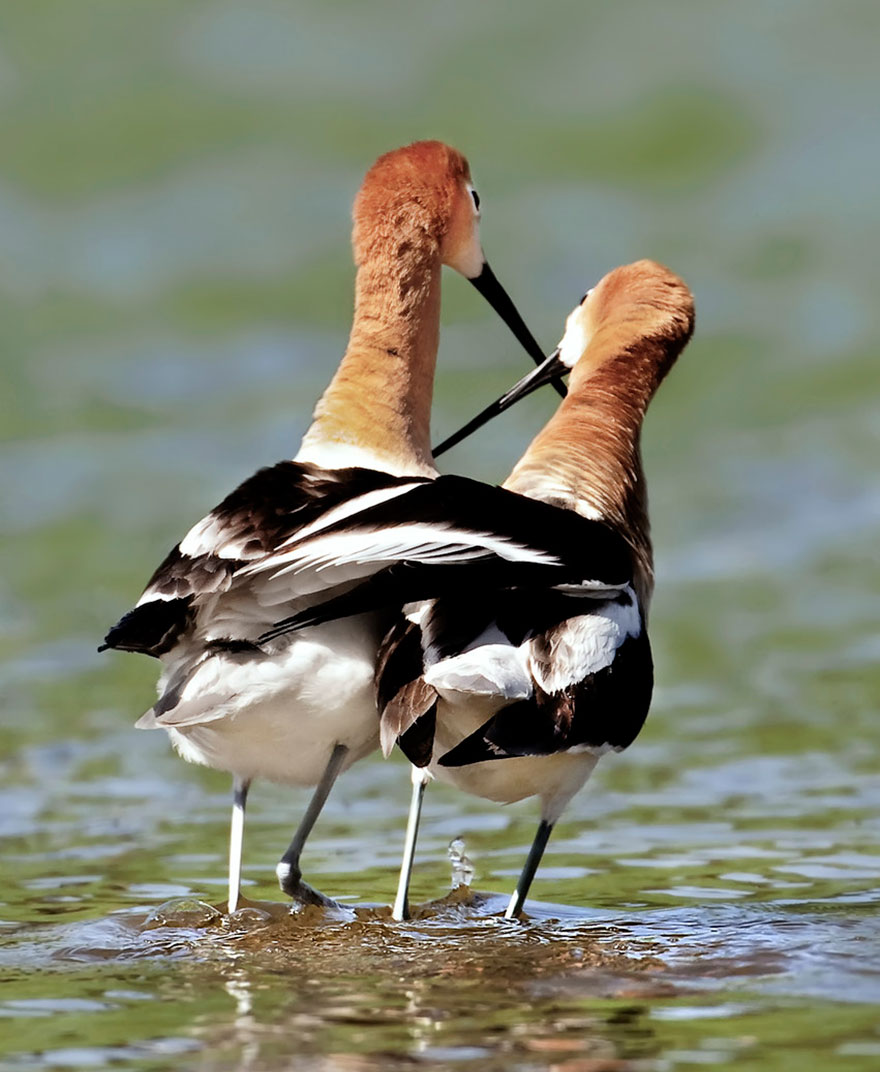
[280, 716]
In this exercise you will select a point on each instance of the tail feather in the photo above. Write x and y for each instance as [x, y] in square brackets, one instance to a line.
[152, 628]
[407, 703]
[415, 705]
[513, 731]
[147, 721]
[417, 742]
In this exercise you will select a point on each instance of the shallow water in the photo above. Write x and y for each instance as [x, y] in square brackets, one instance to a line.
[174, 286]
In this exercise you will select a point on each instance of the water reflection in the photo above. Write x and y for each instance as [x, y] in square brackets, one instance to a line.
[458, 985]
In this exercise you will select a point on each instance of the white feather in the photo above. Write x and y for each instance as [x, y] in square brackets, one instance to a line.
[491, 670]
[277, 715]
[414, 542]
[335, 454]
[210, 536]
[586, 644]
[346, 509]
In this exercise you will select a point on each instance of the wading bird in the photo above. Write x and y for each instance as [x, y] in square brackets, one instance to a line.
[301, 709]
[535, 658]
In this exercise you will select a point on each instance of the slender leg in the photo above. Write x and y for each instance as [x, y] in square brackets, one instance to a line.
[240, 788]
[419, 776]
[288, 870]
[529, 868]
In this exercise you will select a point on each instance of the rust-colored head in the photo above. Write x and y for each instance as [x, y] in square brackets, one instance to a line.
[419, 199]
[633, 324]
[619, 343]
[631, 307]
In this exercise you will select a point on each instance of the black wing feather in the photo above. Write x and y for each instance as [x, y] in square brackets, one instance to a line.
[152, 628]
[407, 704]
[257, 516]
[606, 708]
[459, 503]
[584, 550]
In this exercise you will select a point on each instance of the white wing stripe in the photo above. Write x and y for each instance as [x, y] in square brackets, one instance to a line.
[421, 543]
[591, 589]
[205, 537]
[346, 509]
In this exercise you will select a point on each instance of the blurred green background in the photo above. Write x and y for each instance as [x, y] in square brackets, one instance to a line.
[175, 292]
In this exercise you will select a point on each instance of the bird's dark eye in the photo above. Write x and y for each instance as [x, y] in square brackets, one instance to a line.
[476, 198]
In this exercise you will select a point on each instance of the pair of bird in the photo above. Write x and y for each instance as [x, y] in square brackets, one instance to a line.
[500, 631]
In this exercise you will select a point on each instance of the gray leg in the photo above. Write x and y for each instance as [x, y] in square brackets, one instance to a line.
[240, 788]
[529, 868]
[400, 911]
[288, 870]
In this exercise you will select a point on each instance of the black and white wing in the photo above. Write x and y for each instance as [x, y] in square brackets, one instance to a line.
[266, 510]
[508, 597]
[452, 535]
[591, 681]
[567, 673]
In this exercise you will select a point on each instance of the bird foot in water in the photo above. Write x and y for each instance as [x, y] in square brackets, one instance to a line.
[291, 883]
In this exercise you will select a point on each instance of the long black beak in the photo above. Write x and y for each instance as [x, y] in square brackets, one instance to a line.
[487, 284]
[547, 372]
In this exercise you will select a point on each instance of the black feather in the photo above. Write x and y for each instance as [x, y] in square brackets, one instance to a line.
[459, 503]
[417, 742]
[477, 581]
[607, 708]
[256, 517]
[152, 628]
[407, 704]
[398, 662]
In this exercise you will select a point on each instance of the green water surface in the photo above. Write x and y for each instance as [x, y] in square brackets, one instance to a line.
[175, 289]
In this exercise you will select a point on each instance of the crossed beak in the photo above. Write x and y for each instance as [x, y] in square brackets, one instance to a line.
[549, 371]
